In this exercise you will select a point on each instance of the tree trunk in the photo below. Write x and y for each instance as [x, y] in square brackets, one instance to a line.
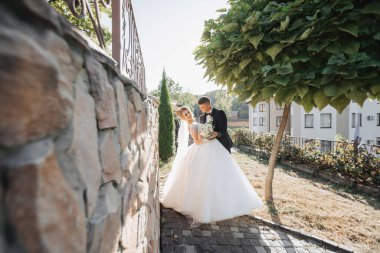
[273, 155]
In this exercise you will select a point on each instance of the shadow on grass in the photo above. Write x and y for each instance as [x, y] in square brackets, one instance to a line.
[274, 212]
[341, 190]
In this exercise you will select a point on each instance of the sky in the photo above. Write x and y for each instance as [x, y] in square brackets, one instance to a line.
[169, 31]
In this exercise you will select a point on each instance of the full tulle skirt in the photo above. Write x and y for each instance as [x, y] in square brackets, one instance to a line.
[208, 185]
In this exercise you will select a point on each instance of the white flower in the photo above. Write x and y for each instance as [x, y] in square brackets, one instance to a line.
[206, 130]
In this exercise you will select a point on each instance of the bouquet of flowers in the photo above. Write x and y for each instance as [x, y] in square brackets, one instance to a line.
[207, 129]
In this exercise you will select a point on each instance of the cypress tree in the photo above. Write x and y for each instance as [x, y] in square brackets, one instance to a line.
[166, 122]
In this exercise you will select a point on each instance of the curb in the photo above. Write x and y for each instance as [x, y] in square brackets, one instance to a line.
[327, 243]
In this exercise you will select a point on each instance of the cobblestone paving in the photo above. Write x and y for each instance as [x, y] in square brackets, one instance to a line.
[242, 234]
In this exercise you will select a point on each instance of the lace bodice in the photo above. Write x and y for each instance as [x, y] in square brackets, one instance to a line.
[195, 127]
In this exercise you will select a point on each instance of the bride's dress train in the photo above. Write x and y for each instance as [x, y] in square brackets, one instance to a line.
[207, 184]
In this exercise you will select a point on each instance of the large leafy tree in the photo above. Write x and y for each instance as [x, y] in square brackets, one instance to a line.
[175, 89]
[315, 53]
[166, 122]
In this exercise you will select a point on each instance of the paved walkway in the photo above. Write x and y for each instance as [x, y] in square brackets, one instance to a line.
[242, 234]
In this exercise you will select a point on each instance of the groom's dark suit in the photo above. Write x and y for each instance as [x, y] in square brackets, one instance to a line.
[219, 121]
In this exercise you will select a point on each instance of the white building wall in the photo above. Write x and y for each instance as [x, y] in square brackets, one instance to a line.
[369, 129]
[340, 123]
[255, 113]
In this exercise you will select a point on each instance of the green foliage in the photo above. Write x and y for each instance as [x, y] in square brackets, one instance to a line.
[178, 96]
[366, 168]
[84, 24]
[315, 53]
[166, 123]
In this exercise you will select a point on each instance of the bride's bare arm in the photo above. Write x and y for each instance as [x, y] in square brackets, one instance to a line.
[197, 139]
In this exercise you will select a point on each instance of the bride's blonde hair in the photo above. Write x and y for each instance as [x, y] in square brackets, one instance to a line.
[179, 112]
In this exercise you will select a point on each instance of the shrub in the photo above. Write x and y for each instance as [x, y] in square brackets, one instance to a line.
[364, 169]
[166, 123]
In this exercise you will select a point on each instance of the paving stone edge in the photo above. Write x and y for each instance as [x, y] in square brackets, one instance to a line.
[329, 244]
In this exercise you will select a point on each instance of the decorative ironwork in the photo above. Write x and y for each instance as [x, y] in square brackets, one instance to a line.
[131, 60]
[82, 8]
[126, 49]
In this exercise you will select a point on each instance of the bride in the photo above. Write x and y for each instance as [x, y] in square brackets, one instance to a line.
[205, 182]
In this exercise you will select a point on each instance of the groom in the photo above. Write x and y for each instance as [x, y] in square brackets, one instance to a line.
[219, 122]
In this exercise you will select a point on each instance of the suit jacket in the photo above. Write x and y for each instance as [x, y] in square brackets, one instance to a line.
[220, 125]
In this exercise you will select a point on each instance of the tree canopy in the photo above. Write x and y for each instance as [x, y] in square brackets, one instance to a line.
[315, 53]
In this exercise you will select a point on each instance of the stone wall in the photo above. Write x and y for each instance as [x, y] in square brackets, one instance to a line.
[78, 142]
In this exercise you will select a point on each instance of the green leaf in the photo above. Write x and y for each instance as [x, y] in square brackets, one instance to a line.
[302, 91]
[376, 36]
[265, 69]
[284, 69]
[231, 27]
[251, 20]
[359, 97]
[280, 79]
[370, 63]
[290, 40]
[268, 92]
[338, 59]
[274, 50]
[340, 103]
[329, 70]
[331, 90]
[244, 63]
[351, 47]
[285, 95]
[306, 33]
[317, 46]
[375, 88]
[307, 102]
[334, 47]
[321, 100]
[373, 8]
[350, 28]
[259, 56]
[284, 24]
[256, 99]
[326, 79]
[255, 40]
[236, 71]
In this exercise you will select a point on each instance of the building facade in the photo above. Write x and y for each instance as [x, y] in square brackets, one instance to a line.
[266, 117]
[323, 124]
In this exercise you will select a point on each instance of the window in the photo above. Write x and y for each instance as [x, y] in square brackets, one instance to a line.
[377, 140]
[354, 119]
[254, 121]
[326, 146]
[254, 109]
[262, 107]
[278, 121]
[325, 120]
[279, 107]
[378, 119]
[309, 120]
[262, 121]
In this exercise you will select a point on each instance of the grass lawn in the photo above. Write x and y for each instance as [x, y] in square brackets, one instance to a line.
[313, 205]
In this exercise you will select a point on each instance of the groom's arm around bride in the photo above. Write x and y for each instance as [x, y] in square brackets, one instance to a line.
[219, 122]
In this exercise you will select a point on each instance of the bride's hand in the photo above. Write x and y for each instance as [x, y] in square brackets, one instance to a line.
[199, 141]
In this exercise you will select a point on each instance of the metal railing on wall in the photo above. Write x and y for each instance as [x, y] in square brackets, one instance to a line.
[126, 49]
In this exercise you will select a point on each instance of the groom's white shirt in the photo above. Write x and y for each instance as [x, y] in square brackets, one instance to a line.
[208, 117]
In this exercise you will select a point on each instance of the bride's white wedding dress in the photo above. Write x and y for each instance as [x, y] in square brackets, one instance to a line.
[206, 183]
